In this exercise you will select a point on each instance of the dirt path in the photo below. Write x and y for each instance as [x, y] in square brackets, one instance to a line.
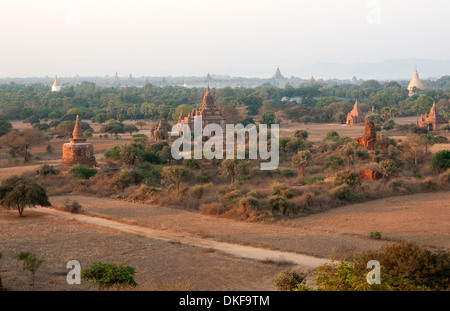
[303, 261]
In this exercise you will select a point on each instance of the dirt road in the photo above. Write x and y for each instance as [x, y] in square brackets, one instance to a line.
[302, 261]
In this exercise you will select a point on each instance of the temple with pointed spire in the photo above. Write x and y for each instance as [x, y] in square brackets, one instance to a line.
[56, 87]
[356, 116]
[209, 113]
[278, 74]
[160, 132]
[433, 120]
[78, 151]
[415, 85]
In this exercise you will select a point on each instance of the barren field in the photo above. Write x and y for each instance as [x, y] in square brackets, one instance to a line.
[421, 218]
[160, 265]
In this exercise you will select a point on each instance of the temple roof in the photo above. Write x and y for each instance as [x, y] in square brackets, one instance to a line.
[56, 81]
[78, 131]
[415, 82]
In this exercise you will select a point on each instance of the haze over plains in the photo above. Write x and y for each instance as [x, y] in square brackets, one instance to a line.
[233, 37]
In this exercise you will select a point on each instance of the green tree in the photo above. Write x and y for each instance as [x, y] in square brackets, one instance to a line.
[349, 151]
[100, 118]
[300, 160]
[30, 263]
[175, 175]
[268, 117]
[441, 160]
[148, 109]
[105, 275]
[232, 167]
[140, 124]
[388, 168]
[5, 126]
[129, 128]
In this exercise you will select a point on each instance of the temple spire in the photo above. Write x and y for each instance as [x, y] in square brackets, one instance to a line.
[78, 131]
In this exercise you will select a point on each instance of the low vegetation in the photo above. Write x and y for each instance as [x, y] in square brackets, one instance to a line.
[404, 267]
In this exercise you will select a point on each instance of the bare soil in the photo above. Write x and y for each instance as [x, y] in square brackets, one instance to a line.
[160, 265]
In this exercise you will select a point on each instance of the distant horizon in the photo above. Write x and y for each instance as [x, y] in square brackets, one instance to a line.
[256, 76]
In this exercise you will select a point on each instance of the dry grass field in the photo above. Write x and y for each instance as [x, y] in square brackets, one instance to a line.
[161, 265]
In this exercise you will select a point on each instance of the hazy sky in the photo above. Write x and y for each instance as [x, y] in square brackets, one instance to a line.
[193, 37]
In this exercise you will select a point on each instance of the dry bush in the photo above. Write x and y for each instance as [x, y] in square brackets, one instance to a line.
[213, 208]
[72, 206]
[59, 184]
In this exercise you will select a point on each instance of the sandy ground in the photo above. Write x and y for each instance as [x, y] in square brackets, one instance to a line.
[159, 264]
[421, 218]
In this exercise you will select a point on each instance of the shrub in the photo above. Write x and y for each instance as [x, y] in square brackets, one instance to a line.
[345, 193]
[278, 203]
[192, 163]
[287, 173]
[231, 197]
[197, 191]
[204, 177]
[30, 263]
[348, 177]
[421, 267]
[82, 172]
[72, 206]
[375, 235]
[445, 127]
[47, 170]
[333, 162]
[124, 179]
[288, 280]
[404, 266]
[106, 275]
[282, 189]
[441, 160]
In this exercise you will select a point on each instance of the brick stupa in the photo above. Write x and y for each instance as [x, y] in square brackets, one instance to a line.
[78, 151]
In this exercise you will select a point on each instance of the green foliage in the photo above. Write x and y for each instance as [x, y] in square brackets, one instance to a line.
[113, 154]
[388, 168]
[82, 172]
[105, 275]
[288, 280]
[197, 191]
[404, 267]
[301, 134]
[278, 203]
[268, 117]
[47, 170]
[445, 127]
[300, 160]
[333, 162]
[5, 126]
[231, 197]
[233, 167]
[113, 128]
[344, 193]
[348, 177]
[30, 263]
[192, 163]
[19, 192]
[375, 235]
[441, 160]
[123, 179]
[176, 174]
[282, 189]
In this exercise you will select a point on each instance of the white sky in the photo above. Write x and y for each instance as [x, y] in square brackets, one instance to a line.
[193, 37]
